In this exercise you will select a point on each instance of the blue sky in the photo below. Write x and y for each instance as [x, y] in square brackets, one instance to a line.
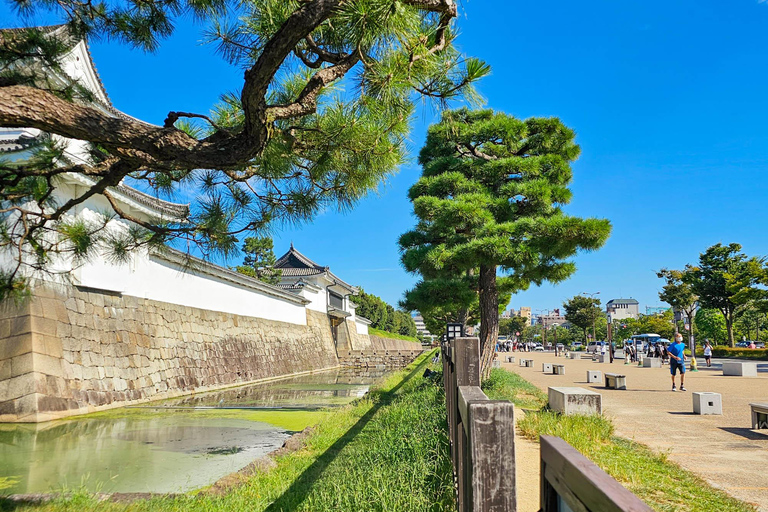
[669, 101]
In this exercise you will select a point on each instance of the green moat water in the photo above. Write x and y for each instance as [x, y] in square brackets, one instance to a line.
[170, 446]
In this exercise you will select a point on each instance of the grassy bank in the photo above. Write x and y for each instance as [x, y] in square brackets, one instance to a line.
[663, 485]
[394, 336]
[388, 452]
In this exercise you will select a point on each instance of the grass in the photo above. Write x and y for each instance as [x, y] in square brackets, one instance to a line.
[385, 452]
[660, 483]
[386, 334]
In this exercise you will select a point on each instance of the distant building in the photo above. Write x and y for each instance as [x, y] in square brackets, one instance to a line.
[421, 327]
[508, 313]
[655, 310]
[620, 309]
[525, 312]
[553, 318]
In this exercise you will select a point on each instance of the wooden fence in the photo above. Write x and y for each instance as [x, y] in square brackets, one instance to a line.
[482, 438]
[482, 433]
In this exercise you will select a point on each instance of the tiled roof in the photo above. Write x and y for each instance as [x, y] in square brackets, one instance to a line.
[622, 301]
[293, 263]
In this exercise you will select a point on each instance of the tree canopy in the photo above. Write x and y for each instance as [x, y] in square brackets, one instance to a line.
[725, 279]
[583, 312]
[282, 147]
[491, 196]
[678, 292]
[384, 316]
[260, 260]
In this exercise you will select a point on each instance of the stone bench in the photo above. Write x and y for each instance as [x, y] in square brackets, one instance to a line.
[651, 362]
[496, 363]
[759, 415]
[594, 376]
[527, 363]
[546, 367]
[706, 402]
[603, 358]
[740, 369]
[615, 381]
[510, 359]
[574, 355]
[572, 400]
[558, 369]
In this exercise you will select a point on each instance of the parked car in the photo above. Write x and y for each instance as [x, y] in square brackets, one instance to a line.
[596, 346]
[560, 346]
[576, 345]
[760, 344]
[742, 344]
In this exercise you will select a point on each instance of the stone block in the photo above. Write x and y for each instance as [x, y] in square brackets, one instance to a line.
[603, 358]
[15, 346]
[574, 355]
[546, 367]
[652, 362]
[573, 400]
[22, 364]
[759, 415]
[740, 369]
[5, 370]
[510, 359]
[615, 381]
[706, 402]
[496, 363]
[48, 365]
[594, 376]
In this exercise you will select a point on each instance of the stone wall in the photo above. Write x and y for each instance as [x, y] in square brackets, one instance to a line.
[380, 352]
[71, 351]
[379, 343]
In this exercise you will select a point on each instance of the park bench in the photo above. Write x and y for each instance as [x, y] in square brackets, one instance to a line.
[573, 400]
[759, 415]
[594, 376]
[558, 369]
[615, 381]
[651, 362]
[740, 369]
[510, 359]
[706, 402]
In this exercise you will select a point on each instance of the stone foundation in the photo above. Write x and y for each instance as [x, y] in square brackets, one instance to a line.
[72, 351]
[378, 359]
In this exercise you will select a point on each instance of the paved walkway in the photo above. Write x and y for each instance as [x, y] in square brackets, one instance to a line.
[721, 449]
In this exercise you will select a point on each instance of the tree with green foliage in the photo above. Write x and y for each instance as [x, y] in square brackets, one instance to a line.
[490, 199]
[259, 261]
[710, 324]
[749, 321]
[383, 316]
[726, 279]
[679, 293]
[280, 149]
[509, 326]
[662, 324]
[583, 312]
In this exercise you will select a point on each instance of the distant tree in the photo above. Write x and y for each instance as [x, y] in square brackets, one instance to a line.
[624, 329]
[659, 324]
[749, 321]
[710, 324]
[678, 292]
[383, 316]
[509, 326]
[583, 312]
[490, 198]
[259, 261]
[725, 279]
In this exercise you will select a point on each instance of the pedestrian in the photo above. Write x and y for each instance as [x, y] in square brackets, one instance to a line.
[677, 361]
[708, 353]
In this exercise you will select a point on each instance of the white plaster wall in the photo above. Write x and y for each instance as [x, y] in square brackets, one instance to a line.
[317, 297]
[362, 327]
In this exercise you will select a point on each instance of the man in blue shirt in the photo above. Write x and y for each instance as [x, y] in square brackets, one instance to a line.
[676, 353]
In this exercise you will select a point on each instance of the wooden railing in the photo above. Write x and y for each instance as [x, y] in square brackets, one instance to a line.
[482, 433]
[568, 478]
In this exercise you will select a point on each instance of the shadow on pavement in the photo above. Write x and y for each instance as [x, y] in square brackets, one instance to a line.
[746, 433]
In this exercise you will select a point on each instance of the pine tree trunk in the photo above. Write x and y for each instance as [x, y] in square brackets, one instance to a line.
[489, 317]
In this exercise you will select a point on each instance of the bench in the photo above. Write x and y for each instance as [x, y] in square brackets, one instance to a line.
[706, 402]
[558, 369]
[594, 376]
[546, 367]
[510, 359]
[496, 363]
[740, 369]
[574, 355]
[572, 400]
[651, 362]
[615, 381]
[759, 415]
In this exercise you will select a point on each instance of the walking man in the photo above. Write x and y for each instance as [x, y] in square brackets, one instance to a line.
[676, 352]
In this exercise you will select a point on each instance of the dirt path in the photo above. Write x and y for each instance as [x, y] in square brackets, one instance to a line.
[721, 449]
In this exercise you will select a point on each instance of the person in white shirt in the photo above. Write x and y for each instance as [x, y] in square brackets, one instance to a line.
[708, 353]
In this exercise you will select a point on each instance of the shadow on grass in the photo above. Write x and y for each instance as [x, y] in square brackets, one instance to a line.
[300, 489]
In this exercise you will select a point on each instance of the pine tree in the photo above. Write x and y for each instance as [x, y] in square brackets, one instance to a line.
[280, 149]
[259, 261]
[488, 205]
